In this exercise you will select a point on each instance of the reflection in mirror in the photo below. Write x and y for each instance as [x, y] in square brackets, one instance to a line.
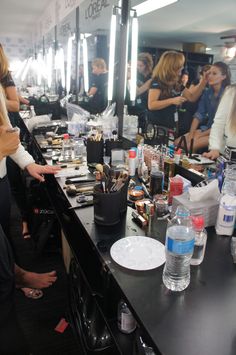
[163, 29]
[31, 74]
[66, 56]
[94, 55]
[40, 72]
[49, 57]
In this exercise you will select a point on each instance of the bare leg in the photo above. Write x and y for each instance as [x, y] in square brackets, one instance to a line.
[34, 280]
[25, 230]
[188, 137]
[201, 142]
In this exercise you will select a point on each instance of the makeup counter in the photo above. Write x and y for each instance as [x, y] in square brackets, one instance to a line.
[199, 320]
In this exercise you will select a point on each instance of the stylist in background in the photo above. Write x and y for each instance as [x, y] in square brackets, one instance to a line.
[223, 130]
[167, 93]
[99, 86]
[144, 79]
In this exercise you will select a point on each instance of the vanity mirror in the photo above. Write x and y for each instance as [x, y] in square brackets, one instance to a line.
[93, 58]
[49, 61]
[65, 67]
[179, 26]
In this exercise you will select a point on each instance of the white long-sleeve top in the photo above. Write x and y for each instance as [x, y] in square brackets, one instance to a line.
[21, 157]
[221, 134]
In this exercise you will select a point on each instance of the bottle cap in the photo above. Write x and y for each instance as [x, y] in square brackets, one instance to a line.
[179, 151]
[182, 211]
[138, 187]
[198, 222]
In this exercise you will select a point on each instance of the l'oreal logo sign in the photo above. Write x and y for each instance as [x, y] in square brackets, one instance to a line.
[70, 3]
[95, 8]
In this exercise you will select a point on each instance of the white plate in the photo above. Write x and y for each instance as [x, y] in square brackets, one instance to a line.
[138, 253]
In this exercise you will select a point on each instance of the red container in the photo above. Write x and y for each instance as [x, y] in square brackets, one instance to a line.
[175, 188]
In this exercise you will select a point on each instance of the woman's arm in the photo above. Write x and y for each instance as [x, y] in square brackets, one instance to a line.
[155, 104]
[192, 94]
[213, 154]
[23, 100]
[92, 91]
[193, 128]
[143, 88]
[9, 141]
[216, 140]
[206, 132]
[12, 100]
[199, 115]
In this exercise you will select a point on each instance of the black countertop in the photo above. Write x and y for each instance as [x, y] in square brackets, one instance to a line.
[198, 321]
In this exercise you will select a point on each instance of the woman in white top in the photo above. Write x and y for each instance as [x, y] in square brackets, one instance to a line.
[223, 130]
[10, 146]
[22, 158]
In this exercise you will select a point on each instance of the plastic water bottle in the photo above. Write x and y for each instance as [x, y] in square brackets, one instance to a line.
[125, 320]
[179, 249]
[78, 144]
[200, 240]
[32, 111]
[226, 215]
[66, 148]
[229, 184]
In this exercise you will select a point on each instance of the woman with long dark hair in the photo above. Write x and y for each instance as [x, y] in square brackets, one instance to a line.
[218, 79]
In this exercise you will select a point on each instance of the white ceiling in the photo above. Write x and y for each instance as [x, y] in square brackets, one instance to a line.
[190, 21]
[185, 21]
[18, 17]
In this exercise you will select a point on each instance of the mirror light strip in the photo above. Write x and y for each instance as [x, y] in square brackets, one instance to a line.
[126, 61]
[26, 69]
[134, 54]
[49, 66]
[85, 62]
[111, 57]
[69, 61]
[21, 68]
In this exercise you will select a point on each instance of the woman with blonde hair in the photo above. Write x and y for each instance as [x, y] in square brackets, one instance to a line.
[223, 130]
[167, 93]
[12, 100]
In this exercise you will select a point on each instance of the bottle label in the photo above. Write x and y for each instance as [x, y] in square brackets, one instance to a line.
[227, 218]
[180, 247]
[128, 323]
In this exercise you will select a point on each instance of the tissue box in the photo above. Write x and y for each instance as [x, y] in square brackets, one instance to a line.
[210, 207]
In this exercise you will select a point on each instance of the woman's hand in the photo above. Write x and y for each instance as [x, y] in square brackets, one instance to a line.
[205, 76]
[179, 100]
[9, 141]
[213, 154]
[37, 170]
